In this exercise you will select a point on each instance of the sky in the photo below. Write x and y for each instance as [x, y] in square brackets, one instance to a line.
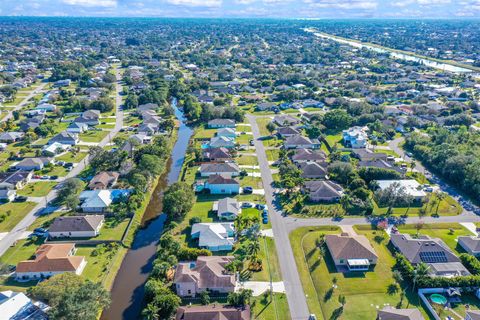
[245, 8]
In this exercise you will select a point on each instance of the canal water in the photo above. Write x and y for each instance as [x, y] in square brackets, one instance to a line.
[398, 55]
[128, 288]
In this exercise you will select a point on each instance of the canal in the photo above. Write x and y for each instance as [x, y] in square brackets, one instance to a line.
[128, 288]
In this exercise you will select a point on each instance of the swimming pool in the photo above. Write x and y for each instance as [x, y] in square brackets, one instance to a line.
[438, 298]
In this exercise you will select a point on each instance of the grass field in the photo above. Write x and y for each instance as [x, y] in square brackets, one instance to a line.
[93, 136]
[364, 291]
[70, 157]
[265, 309]
[15, 212]
[37, 189]
[262, 125]
[247, 160]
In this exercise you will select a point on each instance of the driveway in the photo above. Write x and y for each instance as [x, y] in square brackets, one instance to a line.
[259, 287]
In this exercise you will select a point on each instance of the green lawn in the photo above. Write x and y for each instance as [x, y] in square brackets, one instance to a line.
[204, 132]
[244, 138]
[112, 230]
[247, 160]
[270, 265]
[97, 265]
[272, 154]
[243, 128]
[37, 189]
[53, 171]
[70, 157]
[448, 232]
[265, 309]
[335, 139]
[255, 182]
[93, 136]
[262, 125]
[364, 291]
[15, 212]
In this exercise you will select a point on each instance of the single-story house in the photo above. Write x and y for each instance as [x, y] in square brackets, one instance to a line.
[53, 149]
[351, 251]
[221, 142]
[47, 107]
[15, 180]
[285, 132]
[313, 170]
[301, 142]
[103, 180]
[225, 169]
[214, 236]
[355, 137]
[381, 164]
[207, 273]
[221, 123]
[222, 185]
[323, 191]
[141, 138]
[98, 201]
[11, 136]
[217, 155]
[369, 155]
[390, 313]
[308, 155]
[410, 186]
[470, 244]
[227, 132]
[28, 164]
[441, 260]
[51, 259]
[77, 127]
[283, 120]
[17, 306]
[7, 195]
[213, 312]
[227, 208]
[89, 117]
[65, 137]
[76, 226]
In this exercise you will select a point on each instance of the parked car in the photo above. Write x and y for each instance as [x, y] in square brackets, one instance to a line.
[410, 154]
[260, 206]
[247, 190]
[247, 204]
[252, 143]
[265, 220]
[53, 177]
[265, 213]
[45, 177]
[20, 199]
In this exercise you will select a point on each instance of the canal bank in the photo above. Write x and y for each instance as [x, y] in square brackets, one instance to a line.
[128, 289]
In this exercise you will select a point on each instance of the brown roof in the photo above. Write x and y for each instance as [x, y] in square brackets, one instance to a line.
[213, 312]
[103, 180]
[52, 258]
[389, 313]
[76, 223]
[423, 249]
[345, 246]
[218, 179]
[208, 272]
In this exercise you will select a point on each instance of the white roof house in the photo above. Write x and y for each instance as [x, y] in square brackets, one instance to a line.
[16, 305]
[214, 236]
[412, 187]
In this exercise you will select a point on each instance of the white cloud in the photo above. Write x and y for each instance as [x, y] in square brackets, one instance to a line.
[197, 3]
[92, 3]
[346, 4]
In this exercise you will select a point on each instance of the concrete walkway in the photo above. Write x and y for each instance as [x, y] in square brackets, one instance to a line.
[348, 229]
[471, 227]
[267, 233]
[23, 235]
[259, 287]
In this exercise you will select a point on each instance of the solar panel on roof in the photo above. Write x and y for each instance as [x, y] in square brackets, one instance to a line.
[433, 257]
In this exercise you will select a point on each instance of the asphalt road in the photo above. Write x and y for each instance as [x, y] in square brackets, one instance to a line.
[282, 226]
[24, 102]
[16, 233]
[293, 287]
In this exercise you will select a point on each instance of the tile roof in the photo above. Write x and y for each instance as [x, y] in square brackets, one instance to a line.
[52, 258]
[345, 246]
[389, 313]
[213, 312]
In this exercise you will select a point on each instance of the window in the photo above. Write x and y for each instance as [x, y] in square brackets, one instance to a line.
[342, 261]
[189, 291]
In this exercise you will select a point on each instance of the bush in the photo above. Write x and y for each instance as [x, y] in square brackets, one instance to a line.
[194, 220]
[471, 263]
[188, 254]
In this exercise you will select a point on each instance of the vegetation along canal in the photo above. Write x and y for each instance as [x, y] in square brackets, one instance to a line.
[128, 288]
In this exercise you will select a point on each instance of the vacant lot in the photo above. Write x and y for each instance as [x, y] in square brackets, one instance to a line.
[13, 213]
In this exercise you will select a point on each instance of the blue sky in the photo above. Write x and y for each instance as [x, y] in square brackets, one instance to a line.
[245, 8]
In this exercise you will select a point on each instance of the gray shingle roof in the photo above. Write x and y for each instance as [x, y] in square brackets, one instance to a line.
[76, 223]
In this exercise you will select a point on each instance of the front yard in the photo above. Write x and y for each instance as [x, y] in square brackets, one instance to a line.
[13, 213]
[37, 189]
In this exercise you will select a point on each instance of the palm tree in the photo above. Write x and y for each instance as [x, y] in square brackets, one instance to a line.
[440, 197]
[150, 312]
[253, 248]
[420, 272]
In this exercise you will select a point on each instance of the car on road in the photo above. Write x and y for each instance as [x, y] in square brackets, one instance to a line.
[247, 190]
[265, 220]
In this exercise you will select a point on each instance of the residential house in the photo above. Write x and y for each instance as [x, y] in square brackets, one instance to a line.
[103, 180]
[369, 155]
[17, 306]
[214, 236]
[301, 142]
[285, 132]
[313, 170]
[90, 117]
[351, 251]
[7, 195]
[381, 164]
[441, 260]
[11, 136]
[141, 138]
[218, 184]
[147, 129]
[15, 180]
[226, 208]
[355, 137]
[470, 244]
[46, 107]
[265, 106]
[29, 164]
[53, 149]
[308, 155]
[62, 83]
[213, 312]
[217, 155]
[390, 313]
[66, 138]
[323, 191]
[410, 186]
[207, 273]
[221, 142]
[98, 201]
[76, 226]
[221, 123]
[284, 120]
[77, 127]
[225, 169]
[227, 132]
[51, 259]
